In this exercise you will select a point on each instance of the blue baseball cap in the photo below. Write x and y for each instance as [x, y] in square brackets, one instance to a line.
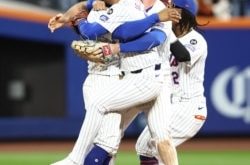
[190, 5]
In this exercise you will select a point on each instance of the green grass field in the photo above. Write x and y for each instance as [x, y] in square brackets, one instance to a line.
[129, 158]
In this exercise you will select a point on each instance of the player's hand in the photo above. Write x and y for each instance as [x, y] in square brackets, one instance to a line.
[99, 5]
[57, 21]
[170, 14]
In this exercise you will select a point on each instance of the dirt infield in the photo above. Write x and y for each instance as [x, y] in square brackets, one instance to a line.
[198, 144]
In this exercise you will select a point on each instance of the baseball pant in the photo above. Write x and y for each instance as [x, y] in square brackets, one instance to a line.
[187, 118]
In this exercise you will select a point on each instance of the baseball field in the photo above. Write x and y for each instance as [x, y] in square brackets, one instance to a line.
[195, 152]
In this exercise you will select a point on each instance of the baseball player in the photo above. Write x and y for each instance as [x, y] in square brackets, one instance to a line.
[128, 93]
[188, 102]
[195, 118]
[164, 149]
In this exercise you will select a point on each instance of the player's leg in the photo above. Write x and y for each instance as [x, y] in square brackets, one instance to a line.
[158, 121]
[145, 149]
[183, 125]
[132, 90]
[109, 136]
[187, 119]
[92, 85]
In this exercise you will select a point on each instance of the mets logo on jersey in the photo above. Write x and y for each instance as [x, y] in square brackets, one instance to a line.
[104, 18]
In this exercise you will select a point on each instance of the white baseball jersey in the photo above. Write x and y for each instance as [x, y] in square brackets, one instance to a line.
[188, 110]
[188, 77]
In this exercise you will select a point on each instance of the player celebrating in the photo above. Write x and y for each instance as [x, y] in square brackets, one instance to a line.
[125, 94]
[188, 102]
[189, 108]
[163, 149]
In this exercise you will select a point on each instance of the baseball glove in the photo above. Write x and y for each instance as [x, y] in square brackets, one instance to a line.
[98, 52]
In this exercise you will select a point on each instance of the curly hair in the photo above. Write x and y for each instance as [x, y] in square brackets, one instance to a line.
[188, 21]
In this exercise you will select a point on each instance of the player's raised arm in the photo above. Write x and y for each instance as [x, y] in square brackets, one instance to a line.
[62, 19]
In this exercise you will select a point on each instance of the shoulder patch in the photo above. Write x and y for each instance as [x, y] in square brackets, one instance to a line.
[104, 18]
[193, 41]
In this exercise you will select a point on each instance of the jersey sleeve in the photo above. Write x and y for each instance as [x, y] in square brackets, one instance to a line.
[197, 48]
[166, 27]
[90, 31]
[146, 42]
[89, 4]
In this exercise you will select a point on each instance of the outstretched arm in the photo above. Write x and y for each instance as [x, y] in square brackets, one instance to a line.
[62, 19]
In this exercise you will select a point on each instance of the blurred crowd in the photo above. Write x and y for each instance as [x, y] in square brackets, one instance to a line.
[223, 9]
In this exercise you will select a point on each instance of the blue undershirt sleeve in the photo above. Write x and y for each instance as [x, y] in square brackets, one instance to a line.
[146, 42]
[89, 4]
[134, 29]
[91, 31]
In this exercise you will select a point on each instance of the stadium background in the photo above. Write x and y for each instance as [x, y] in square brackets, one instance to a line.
[41, 107]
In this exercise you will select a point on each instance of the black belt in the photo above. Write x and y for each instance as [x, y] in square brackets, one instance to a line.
[157, 67]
